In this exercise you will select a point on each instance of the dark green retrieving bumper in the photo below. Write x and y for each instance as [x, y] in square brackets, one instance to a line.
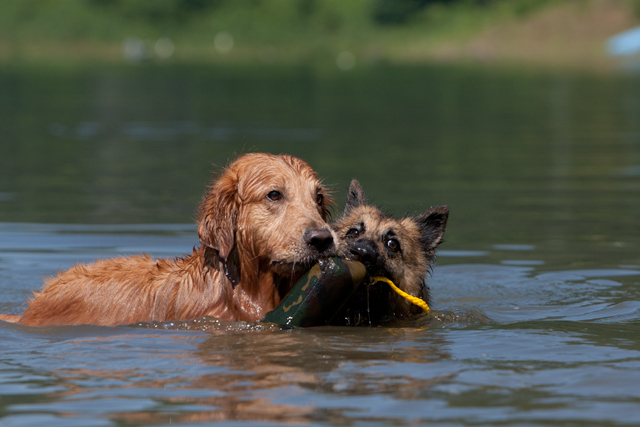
[319, 294]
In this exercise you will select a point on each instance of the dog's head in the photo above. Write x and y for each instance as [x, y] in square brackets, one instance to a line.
[401, 250]
[266, 212]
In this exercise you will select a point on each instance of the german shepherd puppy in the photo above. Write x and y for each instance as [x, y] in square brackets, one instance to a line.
[401, 250]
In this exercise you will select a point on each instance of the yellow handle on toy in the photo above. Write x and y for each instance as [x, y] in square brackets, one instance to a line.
[415, 300]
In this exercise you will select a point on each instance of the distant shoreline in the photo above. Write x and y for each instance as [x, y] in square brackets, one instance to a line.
[556, 34]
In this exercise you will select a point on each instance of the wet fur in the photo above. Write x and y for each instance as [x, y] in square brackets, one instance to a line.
[407, 267]
[251, 252]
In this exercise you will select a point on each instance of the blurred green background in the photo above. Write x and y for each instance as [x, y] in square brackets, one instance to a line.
[566, 33]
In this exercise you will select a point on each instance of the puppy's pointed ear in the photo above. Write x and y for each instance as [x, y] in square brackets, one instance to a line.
[219, 213]
[432, 224]
[355, 197]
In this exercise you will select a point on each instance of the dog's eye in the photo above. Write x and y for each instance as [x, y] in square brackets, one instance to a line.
[274, 196]
[319, 199]
[393, 245]
[353, 233]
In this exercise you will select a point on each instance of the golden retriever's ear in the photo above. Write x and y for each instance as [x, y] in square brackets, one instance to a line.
[219, 212]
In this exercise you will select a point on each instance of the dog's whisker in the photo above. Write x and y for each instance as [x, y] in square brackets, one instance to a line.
[254, 258]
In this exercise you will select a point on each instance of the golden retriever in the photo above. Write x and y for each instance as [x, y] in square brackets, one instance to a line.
[262, 224]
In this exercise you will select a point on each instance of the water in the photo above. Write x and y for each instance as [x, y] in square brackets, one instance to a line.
[536, 296]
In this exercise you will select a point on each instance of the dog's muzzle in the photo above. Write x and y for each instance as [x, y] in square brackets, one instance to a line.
[365, 251]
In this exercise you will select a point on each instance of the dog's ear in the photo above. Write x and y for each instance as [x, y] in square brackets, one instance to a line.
[219, 213]
[355, 197]
[432, 224]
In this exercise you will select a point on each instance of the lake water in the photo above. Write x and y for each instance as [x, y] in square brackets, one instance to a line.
[536, 290]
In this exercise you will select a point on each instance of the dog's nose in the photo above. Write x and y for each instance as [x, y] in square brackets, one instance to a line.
[319, 238]
[365, 251]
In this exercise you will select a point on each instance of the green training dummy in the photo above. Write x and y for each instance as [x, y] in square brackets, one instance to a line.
[319, 294]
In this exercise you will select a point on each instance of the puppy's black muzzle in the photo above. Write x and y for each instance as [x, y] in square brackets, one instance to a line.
[365, 251]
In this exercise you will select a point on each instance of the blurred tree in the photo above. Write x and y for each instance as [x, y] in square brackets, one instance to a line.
[389, 12]
[156, 10]
[306, 8]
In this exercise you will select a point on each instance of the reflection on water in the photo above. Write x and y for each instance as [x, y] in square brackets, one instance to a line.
[529, 157]
[172, 131]
[536, 289]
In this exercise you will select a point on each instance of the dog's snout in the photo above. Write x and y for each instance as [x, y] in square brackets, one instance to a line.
[318, 238]
[365, 251]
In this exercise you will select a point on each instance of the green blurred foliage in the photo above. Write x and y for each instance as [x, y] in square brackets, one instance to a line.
[156, 11]
[388, 12]
[636, 7]
[271, 31]
[395, 12]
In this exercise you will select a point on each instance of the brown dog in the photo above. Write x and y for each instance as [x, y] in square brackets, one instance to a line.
[401, 250]
[262, 224]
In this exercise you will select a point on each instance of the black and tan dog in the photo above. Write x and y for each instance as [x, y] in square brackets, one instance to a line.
[401, 250]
